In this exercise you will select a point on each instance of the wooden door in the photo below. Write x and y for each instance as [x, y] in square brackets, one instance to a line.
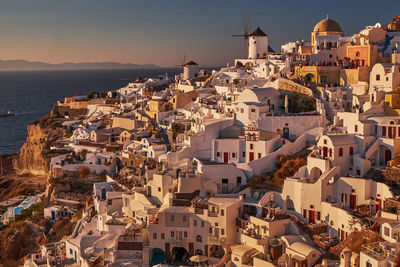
[226, 155]
[311, 216]
[167, 252]
[341, 235]
[353, 201]
[251, 156]
[388, 155]
[191, 249]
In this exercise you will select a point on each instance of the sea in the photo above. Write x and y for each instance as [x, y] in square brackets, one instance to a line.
[30, 95]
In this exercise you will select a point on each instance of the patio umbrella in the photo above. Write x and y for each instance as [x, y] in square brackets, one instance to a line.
[198, 258]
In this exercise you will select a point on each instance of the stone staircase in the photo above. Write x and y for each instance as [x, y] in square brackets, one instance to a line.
[146, 256]
[308, 239]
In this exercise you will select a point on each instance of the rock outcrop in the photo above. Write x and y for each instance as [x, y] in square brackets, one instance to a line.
[20, 239]
[34, 157]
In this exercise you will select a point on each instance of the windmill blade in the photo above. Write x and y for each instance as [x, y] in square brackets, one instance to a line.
[246, 30]
[246, 25]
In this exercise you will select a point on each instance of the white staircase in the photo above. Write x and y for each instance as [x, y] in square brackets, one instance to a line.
[146, 256]
[307, 239]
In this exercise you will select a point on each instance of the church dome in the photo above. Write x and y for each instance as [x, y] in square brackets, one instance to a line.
[327, 25]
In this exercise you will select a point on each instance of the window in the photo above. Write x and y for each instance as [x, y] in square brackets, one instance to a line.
[340, 152]
[154, 235]
[218, 154]
[383, 130]
[195, 222]
[222, 212]
[244, 154]
[376, 129]
[330, 152]
[387, 79]
[162, 235]
[233, 155]
[202, 223]
[172, 234]
[159, 189]
[368, 264]
[325, 142]
[241, 110]
[356, 128]
[378, 77]
[210, 230]
[185, 234]
[259, 155]
[172, 218]
[351, 151]
[253, 110]
[198, 238]
[318, 215]
[222, 231]
[386, 231]
[251, 146]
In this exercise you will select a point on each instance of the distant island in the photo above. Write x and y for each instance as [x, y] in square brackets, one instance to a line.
[24, 65]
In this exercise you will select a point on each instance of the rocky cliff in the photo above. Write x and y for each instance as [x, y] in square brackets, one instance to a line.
[35, 154]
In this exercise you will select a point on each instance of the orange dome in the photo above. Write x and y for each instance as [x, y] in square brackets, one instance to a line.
[327, 25]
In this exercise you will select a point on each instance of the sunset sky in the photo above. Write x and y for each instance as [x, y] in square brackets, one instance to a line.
[160, 32]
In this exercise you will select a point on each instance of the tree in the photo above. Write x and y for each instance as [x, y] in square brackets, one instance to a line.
[83, 172]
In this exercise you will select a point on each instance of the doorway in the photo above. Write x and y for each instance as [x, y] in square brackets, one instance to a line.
[251, 156]
[353, 201]
[388, 156]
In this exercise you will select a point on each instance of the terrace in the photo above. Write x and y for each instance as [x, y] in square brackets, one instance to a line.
[382, 251]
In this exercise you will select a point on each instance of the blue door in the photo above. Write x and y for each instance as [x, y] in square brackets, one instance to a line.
[53, 215]
[103, 193]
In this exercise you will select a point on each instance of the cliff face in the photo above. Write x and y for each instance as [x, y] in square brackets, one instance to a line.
[34, 156]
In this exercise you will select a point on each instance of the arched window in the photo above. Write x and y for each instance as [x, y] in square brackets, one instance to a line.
[340, 152]
[357, 53]
[351, 151]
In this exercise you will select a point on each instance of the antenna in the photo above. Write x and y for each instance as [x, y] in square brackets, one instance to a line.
[245, 31]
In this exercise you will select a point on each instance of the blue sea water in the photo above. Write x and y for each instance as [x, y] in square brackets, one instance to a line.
[30, 95]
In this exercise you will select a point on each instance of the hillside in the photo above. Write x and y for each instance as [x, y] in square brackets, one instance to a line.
[23, 65]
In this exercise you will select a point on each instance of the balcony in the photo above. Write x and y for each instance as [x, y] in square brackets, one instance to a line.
[178, 243]
[212, 214]
[241, 223]
[380, 251]
[213, 240]
[199, 211]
